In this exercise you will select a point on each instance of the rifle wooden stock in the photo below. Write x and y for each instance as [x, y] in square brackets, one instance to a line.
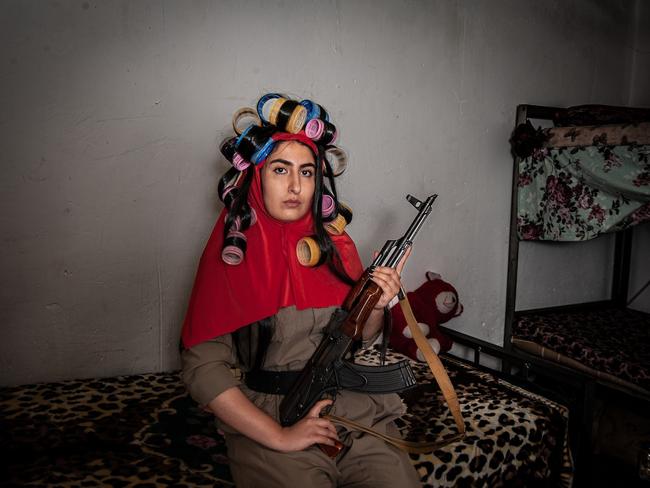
[348, 303]
[359, 303]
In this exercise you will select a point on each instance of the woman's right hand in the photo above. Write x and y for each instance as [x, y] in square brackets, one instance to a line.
[310, 430]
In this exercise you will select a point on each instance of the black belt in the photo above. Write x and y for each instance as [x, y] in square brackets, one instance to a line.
[390, 378]
[275, 382]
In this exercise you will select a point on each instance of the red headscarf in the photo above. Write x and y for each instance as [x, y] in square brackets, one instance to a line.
[226, 298]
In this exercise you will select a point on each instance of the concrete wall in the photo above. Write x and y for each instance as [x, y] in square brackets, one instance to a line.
[640, 92]
[111, 113]
[564, 273]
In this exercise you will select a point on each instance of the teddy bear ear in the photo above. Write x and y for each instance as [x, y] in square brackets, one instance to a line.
[433, 276]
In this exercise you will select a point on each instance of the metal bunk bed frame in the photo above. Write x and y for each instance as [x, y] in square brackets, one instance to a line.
[587, 388]
[622, 246]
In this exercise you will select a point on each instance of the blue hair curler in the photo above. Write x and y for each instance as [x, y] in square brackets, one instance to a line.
[314, 111]
[262, 101]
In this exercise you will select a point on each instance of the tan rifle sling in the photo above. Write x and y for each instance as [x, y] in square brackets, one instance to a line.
[442, 378]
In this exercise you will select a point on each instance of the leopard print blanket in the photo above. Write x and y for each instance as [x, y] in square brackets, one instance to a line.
[144, 431]
[614, 341]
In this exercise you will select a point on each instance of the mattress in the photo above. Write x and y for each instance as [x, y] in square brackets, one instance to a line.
[144, 430]
[612, 344]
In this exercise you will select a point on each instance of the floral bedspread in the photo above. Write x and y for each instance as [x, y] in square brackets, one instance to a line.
[578, 193]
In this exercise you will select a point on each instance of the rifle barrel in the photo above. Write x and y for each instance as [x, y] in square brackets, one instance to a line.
[414, 228]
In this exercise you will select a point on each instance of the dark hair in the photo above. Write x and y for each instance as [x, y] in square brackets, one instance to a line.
[252, 342]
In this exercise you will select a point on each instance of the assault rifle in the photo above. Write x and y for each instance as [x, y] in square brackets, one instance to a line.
[327, 370]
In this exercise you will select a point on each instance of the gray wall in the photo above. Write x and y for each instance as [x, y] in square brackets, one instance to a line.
[111, 113]
[564, 273]
[640, 96]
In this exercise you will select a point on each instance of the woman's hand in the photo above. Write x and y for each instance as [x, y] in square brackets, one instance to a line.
[389, 280]
[308, 431]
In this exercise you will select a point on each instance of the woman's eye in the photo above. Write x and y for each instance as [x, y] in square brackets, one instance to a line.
[280, 170]
[307, 172]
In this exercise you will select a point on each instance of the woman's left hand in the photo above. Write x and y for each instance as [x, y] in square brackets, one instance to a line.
[389, 280]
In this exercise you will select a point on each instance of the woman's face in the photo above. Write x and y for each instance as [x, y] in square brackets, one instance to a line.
[288, 181]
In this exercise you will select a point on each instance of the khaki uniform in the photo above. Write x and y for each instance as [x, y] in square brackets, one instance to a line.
[365, 461]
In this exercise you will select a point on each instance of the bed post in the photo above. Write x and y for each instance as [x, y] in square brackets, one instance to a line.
[621, 271]
[513, 246]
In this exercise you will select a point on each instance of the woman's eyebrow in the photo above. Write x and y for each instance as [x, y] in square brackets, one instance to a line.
[291, 163]
[282, 161]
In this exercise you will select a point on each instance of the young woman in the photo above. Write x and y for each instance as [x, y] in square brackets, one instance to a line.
[258, 305]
